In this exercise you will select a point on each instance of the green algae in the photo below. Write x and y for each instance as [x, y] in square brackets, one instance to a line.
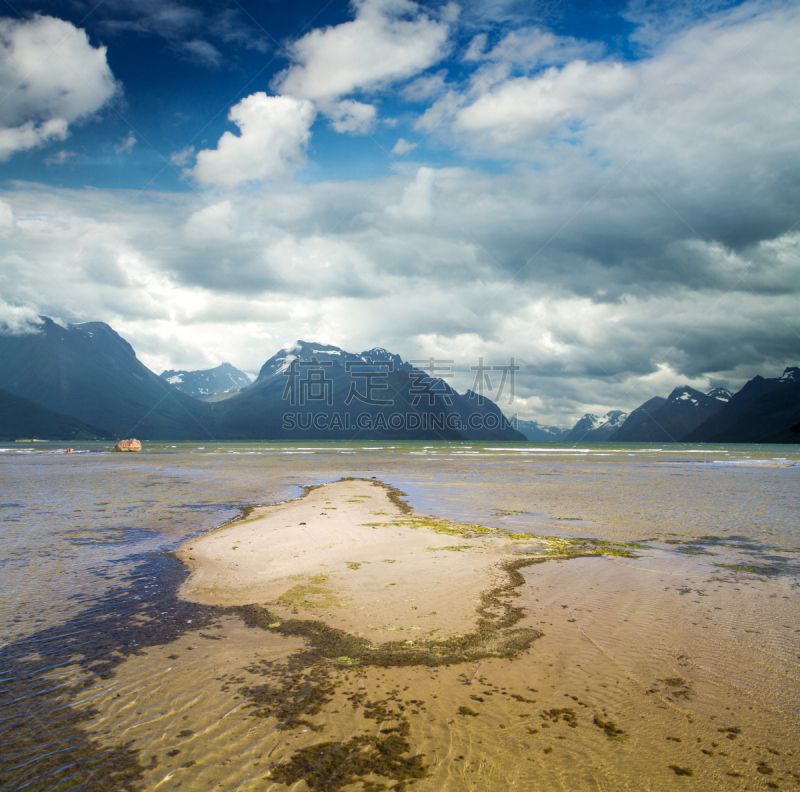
[311, 595]
[301, 693]
[450, 548]
[344, 660]
[761, 571]
[555, 715]
[331, 766]
[612, 731]
[493, 636]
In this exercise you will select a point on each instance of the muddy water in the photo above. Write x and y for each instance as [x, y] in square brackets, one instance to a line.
[676, 667]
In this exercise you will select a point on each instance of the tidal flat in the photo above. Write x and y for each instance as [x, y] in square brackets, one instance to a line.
[447, 617]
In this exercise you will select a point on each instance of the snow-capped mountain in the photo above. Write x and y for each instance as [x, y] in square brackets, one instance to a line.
[225, 378]
[338, 386]
[668, 420]
[592, 428]
[763, 411]
[721, 394]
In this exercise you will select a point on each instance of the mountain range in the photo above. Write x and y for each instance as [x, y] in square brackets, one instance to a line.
[88, 373]
[85, 381]
[661, 420]
[765, 410]
[343, 386]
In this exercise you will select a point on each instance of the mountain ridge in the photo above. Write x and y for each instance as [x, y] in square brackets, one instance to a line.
[89, 371]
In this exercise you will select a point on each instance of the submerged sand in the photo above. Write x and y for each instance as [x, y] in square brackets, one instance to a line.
[350, 552]
[630, 673]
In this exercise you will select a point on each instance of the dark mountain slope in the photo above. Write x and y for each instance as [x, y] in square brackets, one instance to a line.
[741, 417]
[22, 418]
[684, 409]
[321, 391]
[639, 422]
[89, 371]
[766, 419]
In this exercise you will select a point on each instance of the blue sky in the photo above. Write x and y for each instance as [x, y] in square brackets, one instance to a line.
[607, 192]
[181, 66]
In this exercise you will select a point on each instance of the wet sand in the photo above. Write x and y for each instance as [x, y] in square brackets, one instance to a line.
[373, 648]
[353, 554]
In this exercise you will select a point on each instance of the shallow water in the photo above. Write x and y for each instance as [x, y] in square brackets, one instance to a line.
[89, 619]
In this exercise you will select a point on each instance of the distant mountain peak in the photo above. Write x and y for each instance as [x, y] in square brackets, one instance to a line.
[201, 384]
[722, 394]
[790, 374]
[307, 348]
[592, 428]
[685, 393]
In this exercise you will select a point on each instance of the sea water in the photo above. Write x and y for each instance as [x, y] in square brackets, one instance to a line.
[88, 583]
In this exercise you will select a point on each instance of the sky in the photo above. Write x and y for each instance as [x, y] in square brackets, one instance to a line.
[606, 192]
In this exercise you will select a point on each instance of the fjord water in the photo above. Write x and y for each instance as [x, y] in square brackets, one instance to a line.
[89, 591]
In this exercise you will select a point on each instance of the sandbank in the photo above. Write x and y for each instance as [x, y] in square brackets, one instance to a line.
[353, 554]
[399, 648]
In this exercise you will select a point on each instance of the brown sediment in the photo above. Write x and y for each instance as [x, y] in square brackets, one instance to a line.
[300, 687]
[325, 703]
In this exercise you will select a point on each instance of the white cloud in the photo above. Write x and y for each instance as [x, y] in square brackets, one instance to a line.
[125, 146]
[523, 106]
[476, 48]
[202, 52]
[18, 320]
[183, 157]
[701, 96]
[658, 20]
[6, 216]
[351, 116]
[158, 17]
[51, 77]
[213, 225]
[530, 48]
[381, 45]
[61, 157]
[403, 147]
[416, 205]
[273, 134]
[425, 88]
